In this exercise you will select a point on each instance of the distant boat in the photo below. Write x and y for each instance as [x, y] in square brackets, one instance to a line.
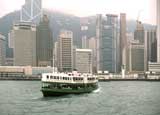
[57, 84]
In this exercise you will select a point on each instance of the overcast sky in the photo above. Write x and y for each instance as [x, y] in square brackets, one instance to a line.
[91, 7]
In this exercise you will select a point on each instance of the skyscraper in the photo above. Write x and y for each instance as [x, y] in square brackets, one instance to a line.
[24, 44]
[55, 54]
[65, 51]
[137, 55]
[107, 43]
[152, 45]
[2, 50]
[158, 30]
[92, 46]
[44, 43]
[84, 32]
[130, 38]
[123, 40]
[139, 32]
[83, 60]
[31, 11]
[138, 50]
[98, 41]
[84, 42]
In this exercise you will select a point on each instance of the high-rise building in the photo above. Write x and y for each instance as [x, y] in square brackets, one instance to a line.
[139, 32]
[31, 11]
[9, 49]
[84, 42]
[130, 38]
[24, 44]
[158, 30]
[92, 46]
[44, 43]
[138, 50]
[65, 51]
[137, 55]
[84, 32]
[107, 43]
[83, 60]
[98, 41]
[55, 54]
[138, 60]
[10, 39]
[2, 50]
[123, 39]
[152, 45]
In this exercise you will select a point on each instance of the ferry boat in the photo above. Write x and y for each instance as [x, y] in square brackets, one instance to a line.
[57, 84]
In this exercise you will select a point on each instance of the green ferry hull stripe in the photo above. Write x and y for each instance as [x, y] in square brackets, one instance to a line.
[58, 92]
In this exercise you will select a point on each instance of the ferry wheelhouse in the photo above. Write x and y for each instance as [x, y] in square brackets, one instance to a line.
[56, 84]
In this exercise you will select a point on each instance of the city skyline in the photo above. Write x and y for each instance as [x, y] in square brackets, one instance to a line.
[144, 8]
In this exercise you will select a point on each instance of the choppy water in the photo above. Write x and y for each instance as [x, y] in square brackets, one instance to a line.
[113, 98]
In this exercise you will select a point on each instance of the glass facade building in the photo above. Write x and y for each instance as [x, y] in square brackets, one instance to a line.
[31, 11]
[108, 44]
[152, 46]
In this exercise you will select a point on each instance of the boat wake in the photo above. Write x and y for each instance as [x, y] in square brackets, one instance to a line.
[97, 90]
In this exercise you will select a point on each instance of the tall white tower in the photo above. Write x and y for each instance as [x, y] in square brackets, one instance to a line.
[158, 30]
[65, 51]
[31, 11]
[123, 39]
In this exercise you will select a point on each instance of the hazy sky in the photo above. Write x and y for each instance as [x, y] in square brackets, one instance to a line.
[92, 7]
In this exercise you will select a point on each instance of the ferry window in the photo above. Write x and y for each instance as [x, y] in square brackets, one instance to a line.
[57, 77]
[47, 77]
[51, 77]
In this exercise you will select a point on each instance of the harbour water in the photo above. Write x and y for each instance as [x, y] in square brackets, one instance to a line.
[112, 98]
